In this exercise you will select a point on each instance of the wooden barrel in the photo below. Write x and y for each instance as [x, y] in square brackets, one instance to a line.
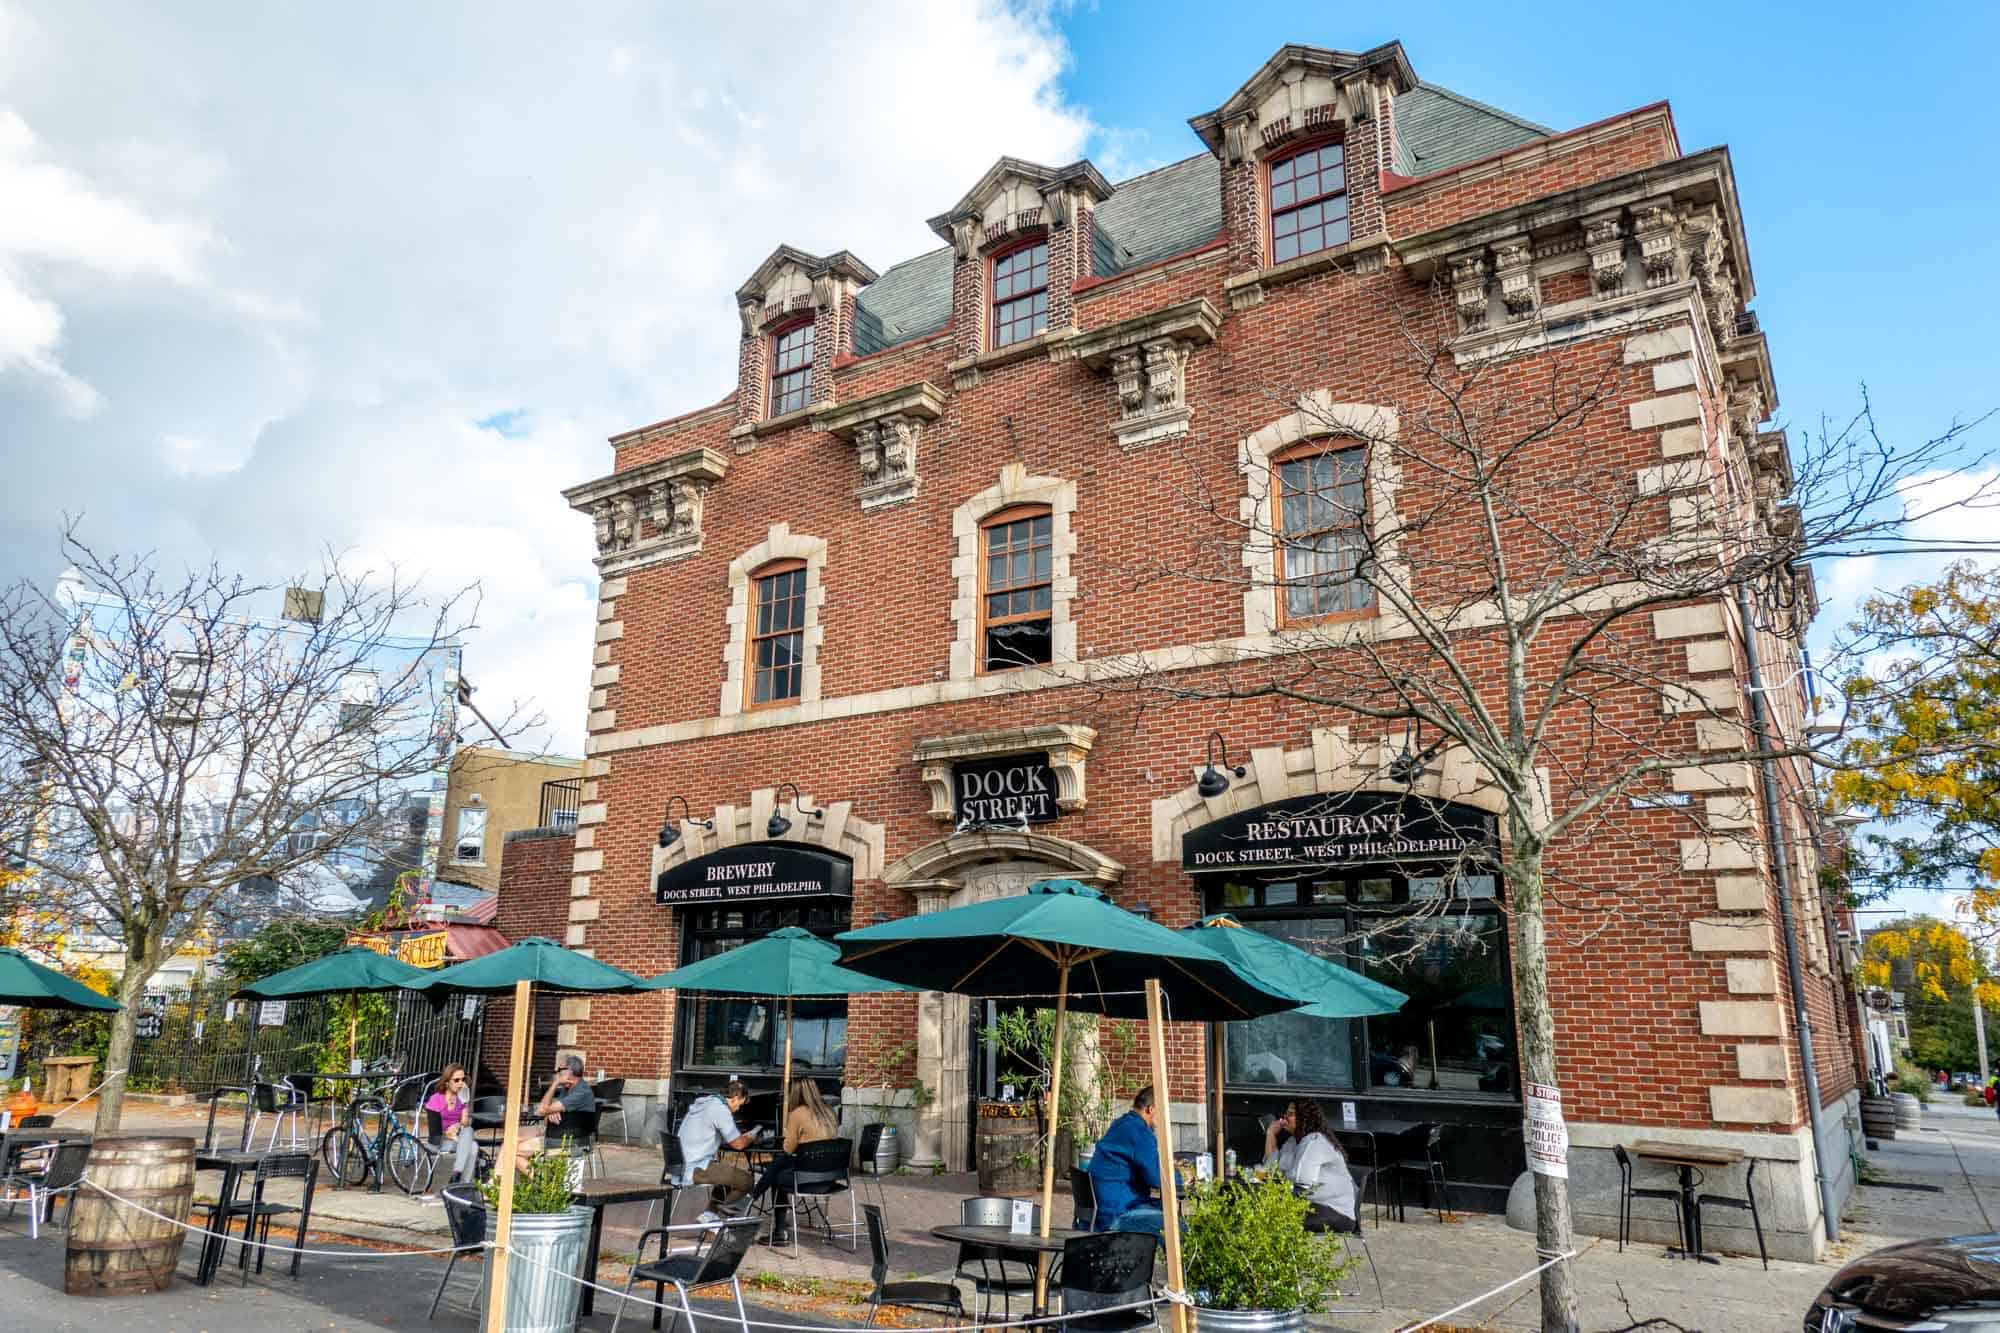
[1909, 1111]
[1878, 1118]
[119, 1251]
[1010, 1155]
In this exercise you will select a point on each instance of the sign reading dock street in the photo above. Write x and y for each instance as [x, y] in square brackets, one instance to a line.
[1018, 789]
[756, 872]
[1339, 830]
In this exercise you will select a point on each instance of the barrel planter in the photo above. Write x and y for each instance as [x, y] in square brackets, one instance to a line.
[1878, 1118]
[117, 1250]
[1009, 1148]
[1249, 1321]
[547, 1254]
[1909, 1111]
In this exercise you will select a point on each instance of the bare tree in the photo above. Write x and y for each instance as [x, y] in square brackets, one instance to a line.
[175, 755]
[1472, 587]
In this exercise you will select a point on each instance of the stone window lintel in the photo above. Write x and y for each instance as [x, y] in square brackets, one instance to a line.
[1066, 744]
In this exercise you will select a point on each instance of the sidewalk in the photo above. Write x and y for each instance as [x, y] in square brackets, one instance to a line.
[1945, 1179]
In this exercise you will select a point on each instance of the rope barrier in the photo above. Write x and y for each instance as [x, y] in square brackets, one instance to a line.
[1466, 1305]
[209, 1234]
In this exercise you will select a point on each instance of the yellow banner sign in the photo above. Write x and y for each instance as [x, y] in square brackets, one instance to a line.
[379, 943]
[423, 950]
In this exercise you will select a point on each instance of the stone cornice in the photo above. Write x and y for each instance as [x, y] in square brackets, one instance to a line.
[1343, 67]
[701, 464]
[1147, 357]
[651, 513]
[921, 399]
[885, 430]
[1193, 321]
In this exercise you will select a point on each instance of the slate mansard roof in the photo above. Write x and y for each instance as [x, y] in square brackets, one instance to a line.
[1175, 208]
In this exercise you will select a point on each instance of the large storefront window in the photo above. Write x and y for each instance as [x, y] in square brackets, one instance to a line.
[748, 1034]
[1440, 940]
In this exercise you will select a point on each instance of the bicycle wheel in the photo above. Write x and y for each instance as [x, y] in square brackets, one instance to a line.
[344, 1155]
[409, 1165]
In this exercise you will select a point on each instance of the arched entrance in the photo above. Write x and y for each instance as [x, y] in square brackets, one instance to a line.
[966, 868]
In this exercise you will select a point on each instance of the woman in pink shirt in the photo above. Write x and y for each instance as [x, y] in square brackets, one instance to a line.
[453, 1103]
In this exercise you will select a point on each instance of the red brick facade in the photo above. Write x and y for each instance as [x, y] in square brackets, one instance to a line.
[1655, 1009]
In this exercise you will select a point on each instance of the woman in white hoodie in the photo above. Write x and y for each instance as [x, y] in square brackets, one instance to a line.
[1311, 1160]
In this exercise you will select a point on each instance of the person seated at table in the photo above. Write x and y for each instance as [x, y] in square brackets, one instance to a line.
[808, 1119]
[1311, 1160]
[708, 1128]
[567, 1092]
[453, 1104]
[1125, 1171]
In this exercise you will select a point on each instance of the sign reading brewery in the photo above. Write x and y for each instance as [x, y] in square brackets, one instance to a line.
[1336, 830]
[1018, 788]
[756, 872]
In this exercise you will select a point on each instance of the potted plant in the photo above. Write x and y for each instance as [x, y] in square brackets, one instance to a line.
[1249, 1261]
[548, 1237]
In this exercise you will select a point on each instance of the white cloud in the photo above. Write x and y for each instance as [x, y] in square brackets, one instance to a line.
[291, 264]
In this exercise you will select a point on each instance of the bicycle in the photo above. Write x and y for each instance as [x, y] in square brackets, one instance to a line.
[352, 1153]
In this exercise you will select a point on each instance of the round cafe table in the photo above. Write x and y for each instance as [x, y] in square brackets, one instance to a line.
[1031, 1246]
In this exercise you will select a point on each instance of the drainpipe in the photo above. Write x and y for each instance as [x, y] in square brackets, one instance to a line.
[1774, 832]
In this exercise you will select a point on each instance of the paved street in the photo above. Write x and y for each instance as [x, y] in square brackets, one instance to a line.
[1944, 1179]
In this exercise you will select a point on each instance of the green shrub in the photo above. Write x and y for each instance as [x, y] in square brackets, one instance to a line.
[542, 1186]
[1245, 1247]
[1975, 1097]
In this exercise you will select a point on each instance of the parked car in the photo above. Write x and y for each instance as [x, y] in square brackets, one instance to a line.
[1951, 1283]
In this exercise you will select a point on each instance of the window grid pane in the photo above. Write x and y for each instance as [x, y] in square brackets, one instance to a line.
[1020, 294]
[1019, 599]
[1321, 512]
[791, 370]
[778, 643]
[1308, 202]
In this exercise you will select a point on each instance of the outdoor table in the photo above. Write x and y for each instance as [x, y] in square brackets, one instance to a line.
[597, 1195]
[232, 1164]
[1042, 1248]
[1373, 1132]
[1685, 1158]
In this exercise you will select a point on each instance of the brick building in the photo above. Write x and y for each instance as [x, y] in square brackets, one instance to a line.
[903, 566]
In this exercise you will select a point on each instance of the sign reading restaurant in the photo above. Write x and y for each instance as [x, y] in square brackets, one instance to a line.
[1018, 789]
[1354, 829]
[756, 872]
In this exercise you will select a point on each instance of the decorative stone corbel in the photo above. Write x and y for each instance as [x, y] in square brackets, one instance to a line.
[748, 314]
[1604, 239]
[651, 513]
[1066, 745]
[1658, 228]
[1236, 141]
[965, 238]
[885, 430]
[1468, 286]
[1059, 206]
[1514, 263]
[1146, 357]
[1707, 248]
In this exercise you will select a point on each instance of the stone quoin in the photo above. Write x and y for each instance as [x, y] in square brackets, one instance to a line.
[910, 558]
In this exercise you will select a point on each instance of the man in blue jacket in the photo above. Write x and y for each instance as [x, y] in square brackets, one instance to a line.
[1125, 1171]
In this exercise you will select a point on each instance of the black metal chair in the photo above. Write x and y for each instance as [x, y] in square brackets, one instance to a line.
[1418, 1161]
[215, 1098]
[710, 1263]
[258, 1212]
[1628, 1192]
[865, 1164]
[281, 1100]
[991, 1271]
[43, 1170]
[1747, 1203]
[465, 1210]
[673, 1175]
[819, 1173]
[1105, 1271]
[1339, 1226]
[610, 1096]
[1083, 1195]
[943, 1297]
[37, 1122]
[577, 1133]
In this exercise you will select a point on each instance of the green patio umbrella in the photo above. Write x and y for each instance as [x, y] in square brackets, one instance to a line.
[520, 968]
[344, 972]
[25, 982]
[790, 964]
[1329, 990]
[1060, 937]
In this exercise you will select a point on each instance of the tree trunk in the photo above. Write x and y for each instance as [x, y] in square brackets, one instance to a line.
[139, 969]
[1538, 1065]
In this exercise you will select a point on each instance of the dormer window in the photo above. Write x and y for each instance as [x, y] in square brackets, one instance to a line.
[1020, 293]
[791, 368]
[1308, 201]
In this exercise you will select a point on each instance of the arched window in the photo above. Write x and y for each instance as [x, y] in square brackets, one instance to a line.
[777, 633]
[1016, 588]
[1320, 522]
[1308, 196]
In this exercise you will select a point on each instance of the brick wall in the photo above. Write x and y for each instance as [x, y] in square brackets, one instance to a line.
[533, 900]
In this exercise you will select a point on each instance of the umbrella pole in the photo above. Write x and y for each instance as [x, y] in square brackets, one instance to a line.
[1055, 1129]
[1218, 1036]
[1170, 1204]
[510, 1138]
[785, 1079]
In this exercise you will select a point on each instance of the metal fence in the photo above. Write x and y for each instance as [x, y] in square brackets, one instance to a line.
[201, 1040]
[560, 800]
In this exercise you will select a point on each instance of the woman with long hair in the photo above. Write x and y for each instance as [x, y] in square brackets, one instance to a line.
[1311, 1160]
[452, 1103]
[808, 1118]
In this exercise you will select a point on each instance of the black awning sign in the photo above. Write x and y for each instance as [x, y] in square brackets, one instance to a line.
[756, 872]
[1018, 789]
[1340, 830]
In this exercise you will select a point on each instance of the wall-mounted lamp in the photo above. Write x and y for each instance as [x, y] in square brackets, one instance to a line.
[779, 825]
[1213, 781]
[1410, 765]
[669, 835]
